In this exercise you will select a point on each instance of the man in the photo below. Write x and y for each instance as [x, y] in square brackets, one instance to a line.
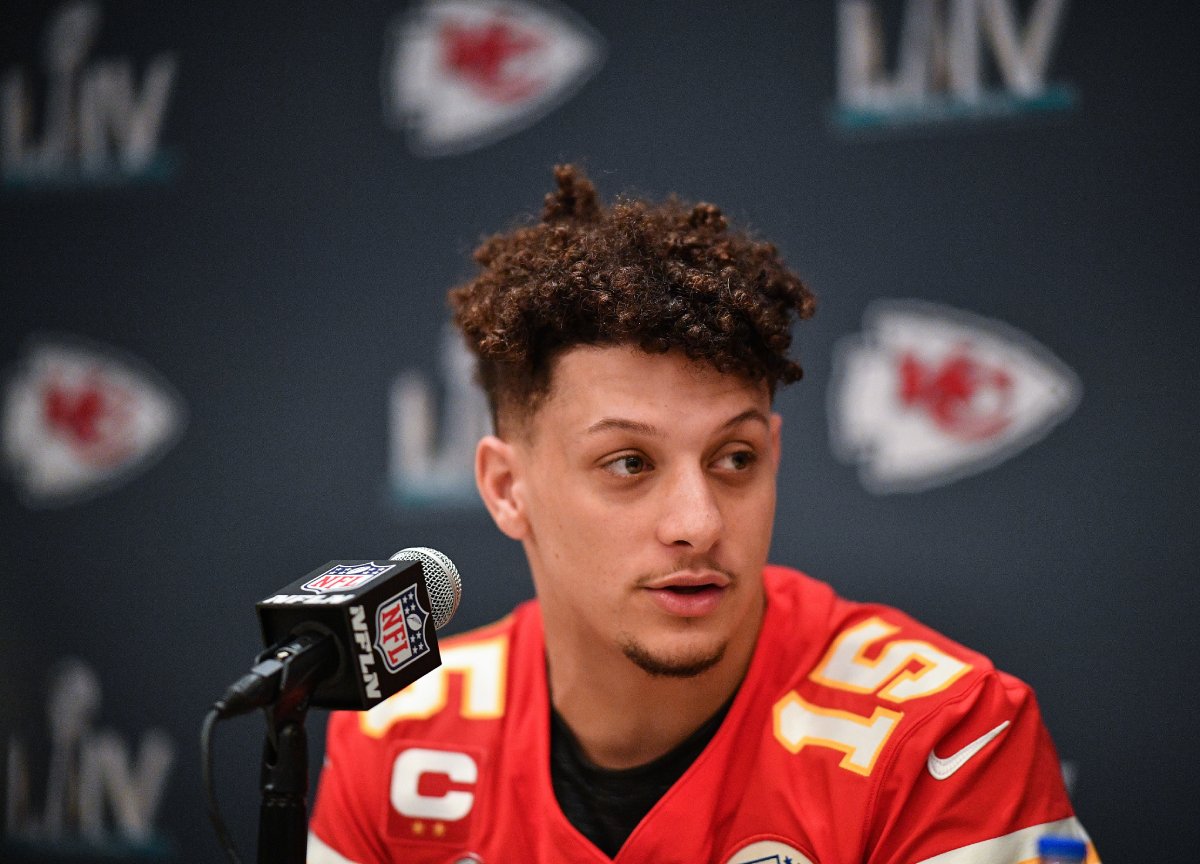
[670, 697]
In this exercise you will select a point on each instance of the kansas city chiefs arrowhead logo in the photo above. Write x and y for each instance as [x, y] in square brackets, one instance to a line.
[927, 395]
[459, 74]
[79, 419]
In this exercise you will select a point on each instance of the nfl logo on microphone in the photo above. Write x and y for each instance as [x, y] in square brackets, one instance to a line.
[400, 630]
[346, 577]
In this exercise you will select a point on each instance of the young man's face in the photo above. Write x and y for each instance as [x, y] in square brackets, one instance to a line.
[644, 493]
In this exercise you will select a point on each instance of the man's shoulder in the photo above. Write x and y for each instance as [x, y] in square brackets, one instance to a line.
[868, 651]
[518, 620]
[908, 730]
[822, 614]
[867, 691]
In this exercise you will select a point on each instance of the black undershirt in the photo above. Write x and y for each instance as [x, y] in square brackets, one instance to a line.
[605, 805]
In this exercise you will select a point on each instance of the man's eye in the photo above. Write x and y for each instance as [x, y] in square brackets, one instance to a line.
[737, 461]
[627, 466]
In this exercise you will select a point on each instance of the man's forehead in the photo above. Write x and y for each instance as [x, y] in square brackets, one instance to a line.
[627, 357]
[640, 427]
[598, 387]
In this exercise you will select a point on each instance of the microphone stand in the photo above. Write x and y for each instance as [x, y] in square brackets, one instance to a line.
[283, 813]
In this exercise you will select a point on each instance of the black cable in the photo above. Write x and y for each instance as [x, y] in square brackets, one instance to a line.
[210, 794]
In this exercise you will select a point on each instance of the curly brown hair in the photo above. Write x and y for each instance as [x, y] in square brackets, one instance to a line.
[661, 276]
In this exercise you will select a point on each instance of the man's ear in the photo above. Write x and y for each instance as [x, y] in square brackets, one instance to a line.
[496, 476]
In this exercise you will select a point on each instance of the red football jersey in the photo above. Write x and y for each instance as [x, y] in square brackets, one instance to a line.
[858, 736]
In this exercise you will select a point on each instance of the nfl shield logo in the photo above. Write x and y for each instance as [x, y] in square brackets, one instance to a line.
[346, 577]
[768, 852]
[400, 630]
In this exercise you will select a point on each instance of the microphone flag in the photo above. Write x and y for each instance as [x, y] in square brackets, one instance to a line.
[377, 613]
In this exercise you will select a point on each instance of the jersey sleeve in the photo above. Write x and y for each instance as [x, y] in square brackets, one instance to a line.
[343, 829]
[976, 781]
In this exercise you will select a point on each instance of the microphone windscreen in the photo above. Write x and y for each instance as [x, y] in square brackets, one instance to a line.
[441, 579]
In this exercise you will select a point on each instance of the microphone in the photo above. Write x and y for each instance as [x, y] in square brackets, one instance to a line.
[350, 633]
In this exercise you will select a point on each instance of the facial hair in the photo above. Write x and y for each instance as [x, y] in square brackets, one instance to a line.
[676, 667]
[671, 667]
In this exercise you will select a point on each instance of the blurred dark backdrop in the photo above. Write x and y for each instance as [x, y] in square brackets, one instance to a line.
[268, 248]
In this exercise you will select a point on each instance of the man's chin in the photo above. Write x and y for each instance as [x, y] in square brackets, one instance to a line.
[678, 664]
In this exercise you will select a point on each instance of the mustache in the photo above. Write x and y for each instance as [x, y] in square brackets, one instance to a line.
[694, 563]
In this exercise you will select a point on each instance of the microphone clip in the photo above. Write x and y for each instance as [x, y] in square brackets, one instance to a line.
[284, 676]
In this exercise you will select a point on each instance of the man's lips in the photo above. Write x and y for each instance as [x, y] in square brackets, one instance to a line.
[689, 594]
[689, 579]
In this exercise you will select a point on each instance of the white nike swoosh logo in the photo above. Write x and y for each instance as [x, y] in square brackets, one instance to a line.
[943, 768]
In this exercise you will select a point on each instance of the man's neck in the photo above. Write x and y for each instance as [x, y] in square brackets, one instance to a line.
[622, 716]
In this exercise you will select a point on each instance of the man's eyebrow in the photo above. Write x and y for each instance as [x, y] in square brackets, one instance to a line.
[625, 425]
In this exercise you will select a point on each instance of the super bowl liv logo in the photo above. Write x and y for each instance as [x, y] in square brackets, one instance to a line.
[940, 61]
[97, 798]
[432, 463]
[99, 125]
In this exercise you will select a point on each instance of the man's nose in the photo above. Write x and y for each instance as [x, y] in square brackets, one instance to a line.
[690, 513]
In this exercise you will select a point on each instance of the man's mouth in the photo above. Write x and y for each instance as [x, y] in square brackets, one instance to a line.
[689, 580]
[689, 594]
